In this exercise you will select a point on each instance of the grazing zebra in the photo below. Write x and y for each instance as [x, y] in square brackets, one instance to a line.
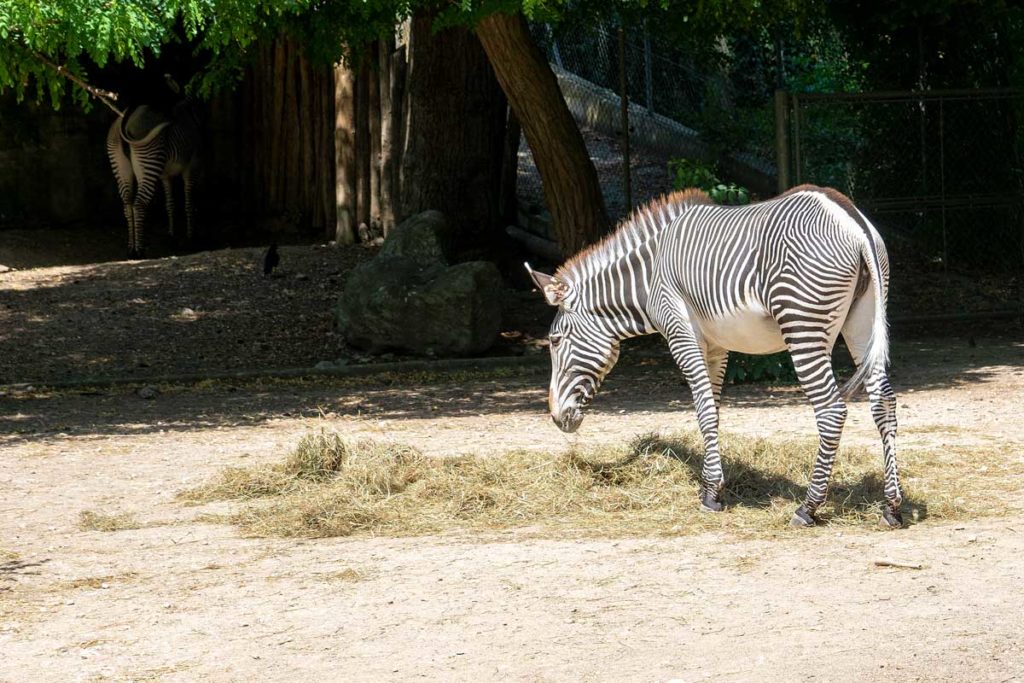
[145, 147]
[789, 273]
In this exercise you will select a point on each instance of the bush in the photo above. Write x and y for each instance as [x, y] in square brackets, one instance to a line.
[687, 173]
[731, 194]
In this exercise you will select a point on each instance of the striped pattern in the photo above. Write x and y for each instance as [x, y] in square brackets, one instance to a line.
[791, 273]
[146, 150]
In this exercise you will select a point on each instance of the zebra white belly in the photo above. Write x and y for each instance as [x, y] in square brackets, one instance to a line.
[749, 330]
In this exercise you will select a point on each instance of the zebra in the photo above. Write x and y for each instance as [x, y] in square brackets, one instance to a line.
[789, 273]
[146, 147]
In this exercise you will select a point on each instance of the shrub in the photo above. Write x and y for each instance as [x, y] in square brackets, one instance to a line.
[687, 173]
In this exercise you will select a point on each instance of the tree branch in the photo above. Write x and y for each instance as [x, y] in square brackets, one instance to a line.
[108, 97]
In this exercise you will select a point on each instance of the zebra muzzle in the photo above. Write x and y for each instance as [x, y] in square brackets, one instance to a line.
[569, 421]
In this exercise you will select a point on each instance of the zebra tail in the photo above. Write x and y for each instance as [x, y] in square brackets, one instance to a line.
[876, 355]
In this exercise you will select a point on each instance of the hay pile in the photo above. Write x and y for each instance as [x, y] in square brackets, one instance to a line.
[330, 486]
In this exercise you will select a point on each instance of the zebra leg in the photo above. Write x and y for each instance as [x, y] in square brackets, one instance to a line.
[717, 360]
[883, 410]
[187, 181]
[169, 202]
[814, 370]
[139, 212]
[143, 196]
[690, 359]
[129, 216]
[857, 334]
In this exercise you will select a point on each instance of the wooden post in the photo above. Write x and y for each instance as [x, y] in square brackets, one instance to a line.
[375, 120]
[387, 122]
[782, 158]
[344, 154]
[363, 162]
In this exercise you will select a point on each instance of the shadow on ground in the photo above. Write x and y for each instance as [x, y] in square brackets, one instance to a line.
[749, 486]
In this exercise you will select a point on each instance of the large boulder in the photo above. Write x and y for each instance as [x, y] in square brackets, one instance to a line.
[409, 299]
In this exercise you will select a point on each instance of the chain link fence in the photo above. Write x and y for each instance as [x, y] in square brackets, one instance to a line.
[938, 171]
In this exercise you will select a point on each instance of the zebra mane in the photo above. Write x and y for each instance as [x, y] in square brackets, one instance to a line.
[639, 226]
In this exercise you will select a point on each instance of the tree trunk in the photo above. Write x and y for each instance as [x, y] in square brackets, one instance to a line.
[571, 188]
[454, 132]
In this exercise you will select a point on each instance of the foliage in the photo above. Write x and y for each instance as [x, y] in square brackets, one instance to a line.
[82, 36]
[731, 194]
[775, 367]
[688, 173]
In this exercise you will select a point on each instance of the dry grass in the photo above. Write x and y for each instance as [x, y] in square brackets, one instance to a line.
[90, 520]
[332, 487]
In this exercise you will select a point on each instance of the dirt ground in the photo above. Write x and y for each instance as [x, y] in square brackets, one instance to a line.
[182, 599]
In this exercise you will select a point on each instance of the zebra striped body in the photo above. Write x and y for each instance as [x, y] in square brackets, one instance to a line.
[146, 149]
[790, 273]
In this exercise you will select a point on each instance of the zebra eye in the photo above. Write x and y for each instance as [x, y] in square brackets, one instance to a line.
[555, 340]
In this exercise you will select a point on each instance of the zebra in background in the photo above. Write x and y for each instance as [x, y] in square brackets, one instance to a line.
[145, 147]
[788, 273]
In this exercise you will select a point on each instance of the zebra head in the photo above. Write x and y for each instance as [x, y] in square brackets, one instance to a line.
[582, 352]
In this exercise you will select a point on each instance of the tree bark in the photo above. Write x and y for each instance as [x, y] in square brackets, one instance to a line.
[571, 188]
[454, 132]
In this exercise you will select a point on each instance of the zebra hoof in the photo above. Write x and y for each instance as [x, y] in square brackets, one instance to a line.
[709, 503]
[802, 518]
[891, 519]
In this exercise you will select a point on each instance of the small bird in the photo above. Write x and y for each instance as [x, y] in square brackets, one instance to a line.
[270, 260]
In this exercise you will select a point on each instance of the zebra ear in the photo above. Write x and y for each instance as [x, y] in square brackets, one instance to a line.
[554, 290]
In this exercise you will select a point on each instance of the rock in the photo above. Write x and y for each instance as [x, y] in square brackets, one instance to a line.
[148, 392]
[425, 237]
[324, 365]
[4, 269]
[402, 303]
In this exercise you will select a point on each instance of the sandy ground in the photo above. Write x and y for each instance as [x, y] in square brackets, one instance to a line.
[184, 600]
